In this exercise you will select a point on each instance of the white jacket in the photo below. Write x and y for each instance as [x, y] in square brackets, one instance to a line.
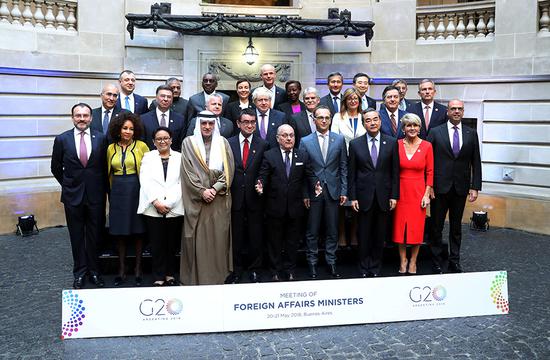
[154, 187]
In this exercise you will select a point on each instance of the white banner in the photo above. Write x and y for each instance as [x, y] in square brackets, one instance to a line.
[217, 308]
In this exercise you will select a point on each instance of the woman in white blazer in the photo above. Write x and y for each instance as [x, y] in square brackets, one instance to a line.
[160, 201]
[348, 121]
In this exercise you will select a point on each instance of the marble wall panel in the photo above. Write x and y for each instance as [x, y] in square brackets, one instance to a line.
[21, 148]
[511, 154]
[513, 133]
[526, 175]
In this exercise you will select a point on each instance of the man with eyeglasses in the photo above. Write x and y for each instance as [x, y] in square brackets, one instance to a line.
[304, 121]
[247, 206]
[162, 115]
[457, 177]
[327, 187]
[101, 116]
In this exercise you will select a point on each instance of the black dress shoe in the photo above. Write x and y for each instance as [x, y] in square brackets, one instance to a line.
[254, 277]
[97, 280]
[364, 274]
[455, 268]
[436, 269]
[291, 277]
[312, 271]
[139, 280]
[232, 278]
[171, 282]
[78, 282]
[275, 278]
[119, 280]
[333, 272]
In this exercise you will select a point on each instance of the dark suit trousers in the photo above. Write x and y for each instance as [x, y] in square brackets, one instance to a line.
[324, 211]
[85, 223]
[371, 232]
[247, 234]
[283, 235]
[454, 204]
[164, 235]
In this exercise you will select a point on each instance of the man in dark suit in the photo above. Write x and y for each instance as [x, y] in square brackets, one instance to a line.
[281, 181]
[198, 102]
[163, 116]
[404, 104]
[361, 82]
[179, 104]
[457, 176]
[247, 206]
[79, 165]
[269, 119]
[431, 113]
[129, 100]
[327, 187]
[268, 75]
[391, 115]
[303, 122]
[101, 116]
[373, 189]
[215, 106]
[335, 82]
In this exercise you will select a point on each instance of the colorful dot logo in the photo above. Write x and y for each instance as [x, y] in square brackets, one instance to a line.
[77, 316]
[174, 306]
[439, 293]
[499, 292]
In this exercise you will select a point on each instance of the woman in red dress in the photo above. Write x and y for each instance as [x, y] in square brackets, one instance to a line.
[415, 181]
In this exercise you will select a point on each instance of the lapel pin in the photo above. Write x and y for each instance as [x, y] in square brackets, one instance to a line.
[93, 136]
[272, 124]
[253, 151]
[383, 142]
[171, 120]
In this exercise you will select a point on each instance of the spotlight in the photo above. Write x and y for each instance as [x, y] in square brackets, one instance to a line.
[479, 221]
[26, 226]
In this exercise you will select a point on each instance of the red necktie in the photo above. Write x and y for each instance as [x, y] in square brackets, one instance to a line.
[427, 117]
[245, 152]
[83, 150]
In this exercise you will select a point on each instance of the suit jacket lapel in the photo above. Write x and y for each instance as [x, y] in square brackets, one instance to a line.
[252, 151]
[236, 147]
[445, 135]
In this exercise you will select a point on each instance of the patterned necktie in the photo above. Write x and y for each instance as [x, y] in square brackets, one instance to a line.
[287, 163]
[163, 119]
[324, 149]
[427, 117]
[374, 152]
[106, 121]
[393, 124]
[262, 126]
[245, 152]
[335, 104]
[456, 142]
[83, 150]
[127, 104]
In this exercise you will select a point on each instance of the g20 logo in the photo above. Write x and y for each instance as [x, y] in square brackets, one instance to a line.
[160, 307]
[427, 294]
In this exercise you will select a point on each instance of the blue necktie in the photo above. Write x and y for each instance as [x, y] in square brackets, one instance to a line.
[106, 121]
[335, 103]
[128, 103]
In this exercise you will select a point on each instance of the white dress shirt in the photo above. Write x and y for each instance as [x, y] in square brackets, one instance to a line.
[241, 143]
[259, 120]
[87, 141]
[130, 100]
[452, 132]
[159, 116]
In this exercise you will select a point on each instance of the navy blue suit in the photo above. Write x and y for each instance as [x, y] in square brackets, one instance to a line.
[278, 98]
[175, 124]
[247, 206]
[328, 101]
[83, 192]
[332, 176]
[439, 116]
[276, 118]
[284, 206]
[300, 122]
[140, 104]
[373, 187]
[97, 121]
[386, 128]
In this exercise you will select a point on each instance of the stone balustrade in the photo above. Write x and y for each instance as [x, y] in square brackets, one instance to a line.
[39, 14]
[544, 19]
[462, 22]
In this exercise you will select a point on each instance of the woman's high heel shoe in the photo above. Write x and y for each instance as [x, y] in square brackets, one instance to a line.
[403, 268]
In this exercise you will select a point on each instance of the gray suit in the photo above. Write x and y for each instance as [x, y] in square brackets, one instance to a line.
[197, 104]
[332, 175]
[226, 127]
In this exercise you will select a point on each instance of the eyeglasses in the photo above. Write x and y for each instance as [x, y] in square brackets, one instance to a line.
[286, 135]
[163, 139]
[327, 118]
[246, 122]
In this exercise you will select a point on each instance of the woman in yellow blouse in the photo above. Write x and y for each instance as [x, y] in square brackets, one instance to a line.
[123, 163]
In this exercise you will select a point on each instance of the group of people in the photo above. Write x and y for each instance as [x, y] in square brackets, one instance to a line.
[227, 182]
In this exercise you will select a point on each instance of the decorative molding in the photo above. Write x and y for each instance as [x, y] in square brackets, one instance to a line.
[282, 70]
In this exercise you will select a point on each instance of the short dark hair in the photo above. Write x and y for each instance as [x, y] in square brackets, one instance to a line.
[247, 111]
[210, 73]
[358, 75]
[367, 110]
[388, 88]
[241, 80]
[320, 107]
[118, 121]
[290, 82]
[125, 72]
[161, 128]
[81, 105]
[163, 87]
[335, 73]
[171, 80]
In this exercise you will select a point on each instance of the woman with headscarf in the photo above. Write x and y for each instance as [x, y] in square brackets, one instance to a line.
[207, 168]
